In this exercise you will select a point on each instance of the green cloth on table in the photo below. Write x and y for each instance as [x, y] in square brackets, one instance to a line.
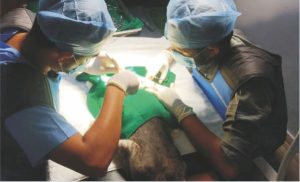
[121, 17]
[137, 108]
[33, 5]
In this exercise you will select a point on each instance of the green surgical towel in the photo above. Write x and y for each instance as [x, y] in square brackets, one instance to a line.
[137, 108]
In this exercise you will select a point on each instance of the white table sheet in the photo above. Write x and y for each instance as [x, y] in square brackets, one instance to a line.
[132, 51]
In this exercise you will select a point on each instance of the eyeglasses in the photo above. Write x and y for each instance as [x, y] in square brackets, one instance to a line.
[192, 53]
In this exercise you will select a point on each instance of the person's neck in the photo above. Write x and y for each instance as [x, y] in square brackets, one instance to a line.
[17, 40]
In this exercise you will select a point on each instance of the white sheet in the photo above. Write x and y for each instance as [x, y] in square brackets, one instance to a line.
[132, 51]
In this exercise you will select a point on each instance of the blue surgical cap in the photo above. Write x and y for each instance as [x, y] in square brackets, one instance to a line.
[79, 26]
[199, 23]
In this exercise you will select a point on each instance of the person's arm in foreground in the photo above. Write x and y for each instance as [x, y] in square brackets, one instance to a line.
[207, 142]
[203, 139]
[247, 115]
[92, 153]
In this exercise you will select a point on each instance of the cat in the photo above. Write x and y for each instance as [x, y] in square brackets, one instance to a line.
[150, 154]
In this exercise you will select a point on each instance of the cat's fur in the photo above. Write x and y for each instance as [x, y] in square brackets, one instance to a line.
[150, 154]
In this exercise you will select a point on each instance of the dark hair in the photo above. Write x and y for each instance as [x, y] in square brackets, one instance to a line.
[34, 42]
[224, 44]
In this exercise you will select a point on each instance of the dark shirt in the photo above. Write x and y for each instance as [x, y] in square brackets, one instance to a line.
[246, 116]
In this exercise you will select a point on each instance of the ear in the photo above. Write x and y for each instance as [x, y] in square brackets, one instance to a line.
[213, 50]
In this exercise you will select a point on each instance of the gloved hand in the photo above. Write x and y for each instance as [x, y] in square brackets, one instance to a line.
[125, 80]
[159, 70]
[102, 64]
[171, 101]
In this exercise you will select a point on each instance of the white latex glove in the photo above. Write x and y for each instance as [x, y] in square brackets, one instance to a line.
[145, 83]
[171, 101]
[125, 80]
[102, 64]
[159, 70]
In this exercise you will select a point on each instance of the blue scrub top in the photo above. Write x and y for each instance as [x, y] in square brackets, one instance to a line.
[39, 129]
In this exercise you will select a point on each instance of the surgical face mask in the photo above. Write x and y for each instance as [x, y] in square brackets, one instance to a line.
[78, 66]
[191, 62]
[199, 59]
[203, 57]
[188, 62]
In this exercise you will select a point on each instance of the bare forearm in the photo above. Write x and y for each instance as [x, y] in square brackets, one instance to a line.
[92, 153]
[198, 133]
[103, 136]
[209, 143]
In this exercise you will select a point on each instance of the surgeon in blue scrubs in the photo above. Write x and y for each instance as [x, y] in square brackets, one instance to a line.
[64, 36]
[234, 72]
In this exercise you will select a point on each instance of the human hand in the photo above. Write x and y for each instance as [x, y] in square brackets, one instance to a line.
[126, 81]
[158, 71]
[171, 101]
[102, 64]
